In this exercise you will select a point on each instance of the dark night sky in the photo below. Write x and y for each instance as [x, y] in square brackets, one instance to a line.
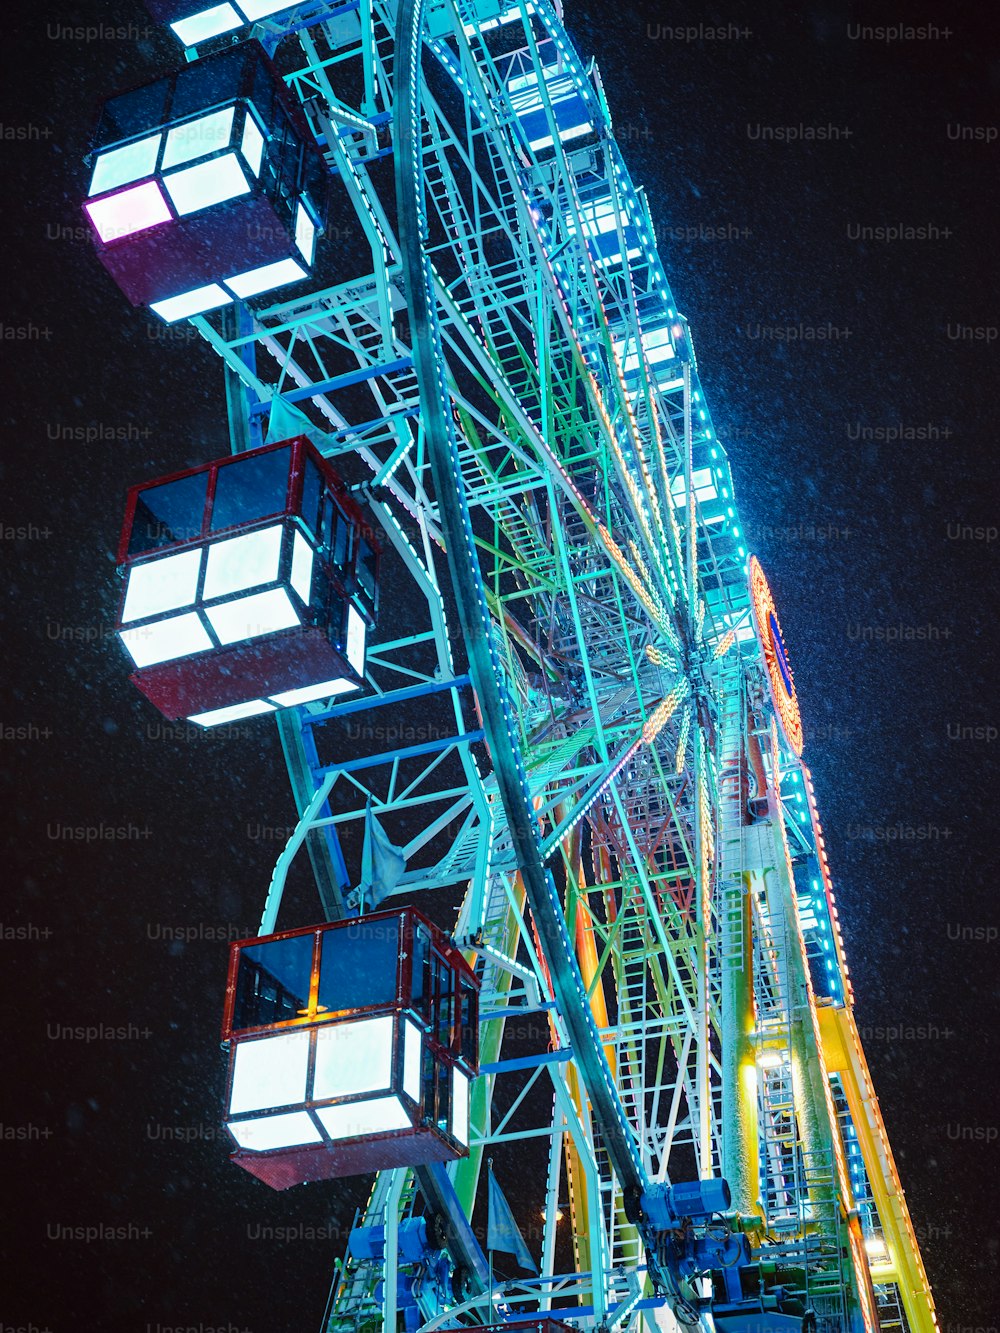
[878, 548]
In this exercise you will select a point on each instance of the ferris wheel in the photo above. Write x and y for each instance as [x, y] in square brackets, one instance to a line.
[478, 553]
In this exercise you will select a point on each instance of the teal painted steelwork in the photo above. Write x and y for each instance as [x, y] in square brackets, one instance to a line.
[484, 664]
[506, 366]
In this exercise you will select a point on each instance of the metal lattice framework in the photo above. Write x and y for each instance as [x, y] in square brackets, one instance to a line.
[500, 370]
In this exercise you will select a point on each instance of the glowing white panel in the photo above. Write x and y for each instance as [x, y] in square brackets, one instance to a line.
[163, 640]
[505, 17]
[526, 101]
[243, 562]
[558, 86]
[701, 482]
[275, 1131]
[771, 1059]
[599, 217]
[233, 714]
[658, 346]
[629, 360]
[252, 144]
[305, 233]
[356, 631]
[249, 617]
[412, 1043]
[162, 585]
[326, 689]
[209, 23]
[740, 623]
[302, 566]
[530, 82]
[130, 211]
[195, 138]
[571, 132]
[206, 184]
[263, 279]
[194, 302]
[460, 1106]
[259, 9]
[270, 1072]
[355, 1119]
[126, 164]
[353, 1058]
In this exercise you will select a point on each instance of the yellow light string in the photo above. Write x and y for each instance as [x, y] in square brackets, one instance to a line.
[682, 741]
[659, 658]
[649, 600]
[662, 713]
[724, 644]
[635, 435]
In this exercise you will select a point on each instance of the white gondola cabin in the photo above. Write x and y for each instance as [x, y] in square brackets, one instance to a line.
[251, 584]
[352, 1047]
[206, 186]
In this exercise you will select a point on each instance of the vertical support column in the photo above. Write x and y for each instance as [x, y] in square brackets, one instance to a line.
[466, 1171]
[739, 861]
[703, 887]
[621, 1230]
[740, 1163]
[810, 1107]
[552, 1201]
[581, 1134]
[244, 427]
[322, 846]
[390, 1261]
[814, 1113]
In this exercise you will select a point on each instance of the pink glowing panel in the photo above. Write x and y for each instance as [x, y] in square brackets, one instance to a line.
[128, 211]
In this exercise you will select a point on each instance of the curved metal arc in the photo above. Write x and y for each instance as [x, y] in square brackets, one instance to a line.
[466, 577]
